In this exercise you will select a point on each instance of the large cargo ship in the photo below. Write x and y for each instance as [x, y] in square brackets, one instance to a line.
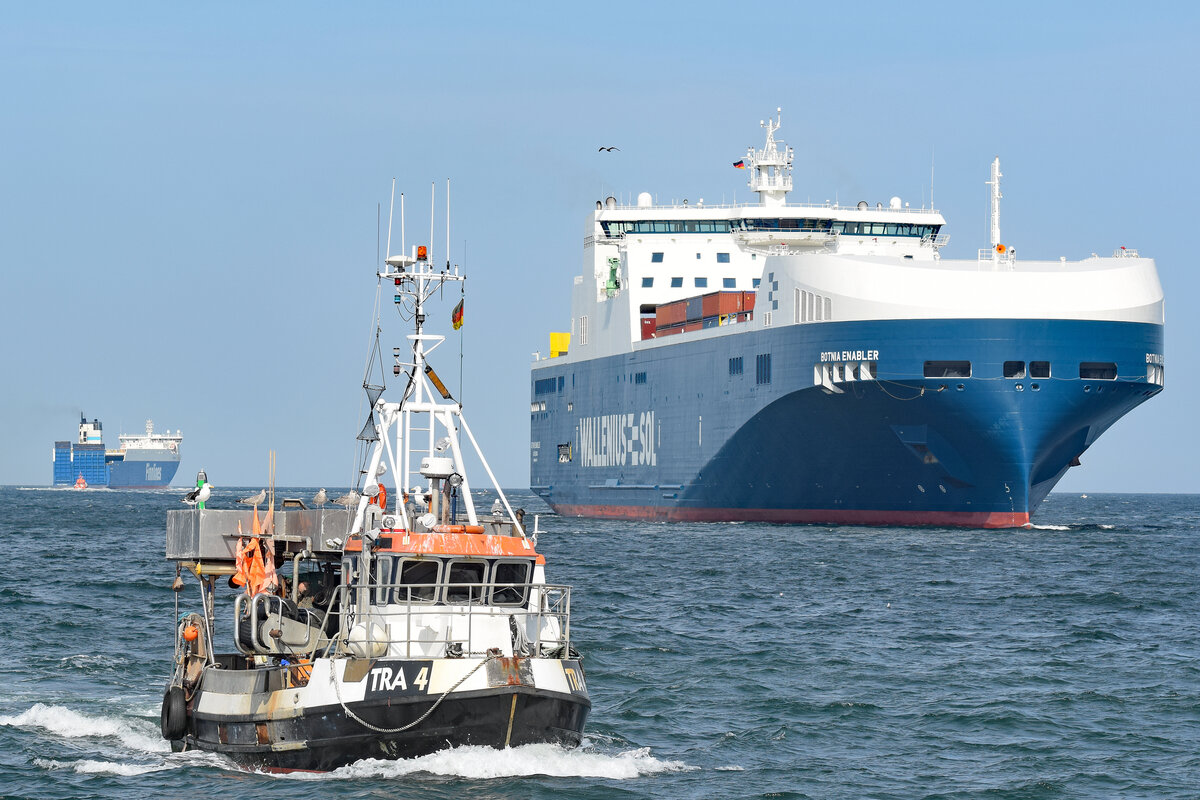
[143, 461]
[823, 363]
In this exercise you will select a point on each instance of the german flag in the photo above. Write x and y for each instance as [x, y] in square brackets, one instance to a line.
[740, 164]
[456, 317]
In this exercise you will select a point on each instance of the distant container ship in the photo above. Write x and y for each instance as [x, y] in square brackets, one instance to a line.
[143, 461]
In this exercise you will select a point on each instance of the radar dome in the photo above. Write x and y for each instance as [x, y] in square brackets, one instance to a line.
[645, 200]
[894, 202]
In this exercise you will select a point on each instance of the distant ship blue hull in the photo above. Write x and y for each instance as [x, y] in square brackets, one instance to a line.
[676, 432]
[141, 474]
[142, 462]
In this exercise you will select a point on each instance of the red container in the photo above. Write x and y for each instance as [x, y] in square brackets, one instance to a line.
[730, 303]
[648, 327]
[673, 329]
[670, 313]
[710, 304]
[693, 326]
[748, 302]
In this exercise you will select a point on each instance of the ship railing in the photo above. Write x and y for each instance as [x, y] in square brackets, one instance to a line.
[451, 619]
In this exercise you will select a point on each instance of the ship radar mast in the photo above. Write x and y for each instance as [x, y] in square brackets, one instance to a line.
[771, 167]
[997, 248]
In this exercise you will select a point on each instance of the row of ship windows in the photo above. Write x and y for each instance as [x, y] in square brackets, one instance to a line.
[1088, 370]
[699, 283]
[453, 581]
[774, 224]
[657, 258]
[762, 367]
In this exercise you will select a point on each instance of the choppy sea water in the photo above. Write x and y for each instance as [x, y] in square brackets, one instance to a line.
[724, 661]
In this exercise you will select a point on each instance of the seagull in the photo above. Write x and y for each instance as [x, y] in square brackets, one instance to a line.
[608, 149]
[350, 498]
[198, 495]
[320, 498]
[254, 499]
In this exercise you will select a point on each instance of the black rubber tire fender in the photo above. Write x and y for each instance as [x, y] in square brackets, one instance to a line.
[174, 713]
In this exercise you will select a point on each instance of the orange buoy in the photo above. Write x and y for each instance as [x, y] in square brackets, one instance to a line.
[1000, 248]
[191, 633]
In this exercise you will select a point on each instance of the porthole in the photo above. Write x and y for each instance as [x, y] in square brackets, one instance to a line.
[1035, 386]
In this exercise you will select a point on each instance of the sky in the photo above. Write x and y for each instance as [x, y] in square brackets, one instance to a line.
[191, 194]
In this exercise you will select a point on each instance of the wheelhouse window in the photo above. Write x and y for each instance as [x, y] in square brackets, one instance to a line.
[510, 582]
[1098, 371]
[418, 580]
[1014, 369]
[947, 369]
[464, 579]
[1039, 369]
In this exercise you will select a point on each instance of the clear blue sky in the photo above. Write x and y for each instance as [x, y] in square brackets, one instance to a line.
[188, 192]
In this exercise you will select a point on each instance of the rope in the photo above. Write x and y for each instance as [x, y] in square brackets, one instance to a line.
[337, 690]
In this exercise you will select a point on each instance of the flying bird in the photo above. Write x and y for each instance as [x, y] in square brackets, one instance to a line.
[320, 498]
[608, 149]
[350, 498]
[254, 499]
[200, 495]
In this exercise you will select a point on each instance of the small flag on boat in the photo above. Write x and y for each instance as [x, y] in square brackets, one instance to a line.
[456, 317]
[740, 164]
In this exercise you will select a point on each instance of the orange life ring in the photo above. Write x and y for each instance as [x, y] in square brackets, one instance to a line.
[1000, 248]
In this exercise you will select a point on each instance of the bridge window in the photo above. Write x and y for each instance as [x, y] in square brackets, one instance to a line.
[464, 581]
[1040, 369]
[1098, 371]
[947, 369]
[510, 580]
[1014, 369]
[418, 577]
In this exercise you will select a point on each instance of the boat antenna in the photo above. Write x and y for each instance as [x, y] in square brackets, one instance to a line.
[401, 225]
[391, 208]
[447, 224]
[432, 213]
[931, 163]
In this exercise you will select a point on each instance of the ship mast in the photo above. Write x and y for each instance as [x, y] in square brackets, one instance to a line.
[771, 167]
[997, 251]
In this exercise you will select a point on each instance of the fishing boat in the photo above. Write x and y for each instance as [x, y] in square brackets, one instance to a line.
[402, 622]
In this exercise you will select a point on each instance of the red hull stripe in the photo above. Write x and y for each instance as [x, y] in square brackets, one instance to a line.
[963, 519]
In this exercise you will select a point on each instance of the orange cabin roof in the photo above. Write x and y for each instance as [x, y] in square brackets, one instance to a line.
[450, 544]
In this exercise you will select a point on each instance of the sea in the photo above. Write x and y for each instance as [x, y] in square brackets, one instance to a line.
[723, 660]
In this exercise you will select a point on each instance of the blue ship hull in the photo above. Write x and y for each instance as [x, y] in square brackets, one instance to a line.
[674, 432]
[149, 474]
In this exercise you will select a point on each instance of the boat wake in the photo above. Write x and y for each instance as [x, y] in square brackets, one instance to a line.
[482, 763]
[127, 745]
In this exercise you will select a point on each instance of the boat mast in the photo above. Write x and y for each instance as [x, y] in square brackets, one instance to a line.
[995, 184]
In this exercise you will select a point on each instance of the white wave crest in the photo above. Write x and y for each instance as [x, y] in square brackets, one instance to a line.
[480, 763]
[1050, 527]
[137, 735]
[87, 766]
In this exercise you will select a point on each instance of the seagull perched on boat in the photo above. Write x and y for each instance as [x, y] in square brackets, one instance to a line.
[608, 149]
[200, 495]
[320, 498]
[350, 498]
[254, 499]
